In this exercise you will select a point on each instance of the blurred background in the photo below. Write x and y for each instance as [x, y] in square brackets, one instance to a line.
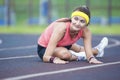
[22, 14]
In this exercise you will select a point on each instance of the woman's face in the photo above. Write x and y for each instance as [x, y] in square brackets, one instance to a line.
[78, 22]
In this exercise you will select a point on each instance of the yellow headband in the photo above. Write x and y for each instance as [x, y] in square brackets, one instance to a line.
[82, 14]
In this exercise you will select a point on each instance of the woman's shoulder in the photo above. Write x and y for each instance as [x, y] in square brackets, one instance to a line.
[60, 24]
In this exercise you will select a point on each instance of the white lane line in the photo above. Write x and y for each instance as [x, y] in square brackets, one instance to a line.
[116, 43]
[59, 71]
[0, 41]
[18, 57]
[21, 47]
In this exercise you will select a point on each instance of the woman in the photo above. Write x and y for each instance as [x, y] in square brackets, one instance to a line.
[59, 38]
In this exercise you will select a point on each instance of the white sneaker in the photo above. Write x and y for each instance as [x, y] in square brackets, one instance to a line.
[80, 55]
[100, 47]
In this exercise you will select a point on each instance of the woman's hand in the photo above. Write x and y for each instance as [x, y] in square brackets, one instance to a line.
[95, 61]
[59, 61]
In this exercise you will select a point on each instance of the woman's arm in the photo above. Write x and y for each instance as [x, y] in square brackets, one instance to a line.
[87, 38]
[58, 33]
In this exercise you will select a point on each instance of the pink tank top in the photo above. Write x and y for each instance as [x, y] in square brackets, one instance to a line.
[65, 41]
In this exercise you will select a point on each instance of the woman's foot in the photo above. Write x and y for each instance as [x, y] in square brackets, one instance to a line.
[100, 47]
[79, 55]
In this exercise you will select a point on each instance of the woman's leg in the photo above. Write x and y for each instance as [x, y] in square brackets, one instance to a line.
[78, 48]
[98, 51]
[64, 54]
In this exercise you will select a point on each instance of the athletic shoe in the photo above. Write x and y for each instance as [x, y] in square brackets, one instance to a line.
[100, 47]
[80, 55]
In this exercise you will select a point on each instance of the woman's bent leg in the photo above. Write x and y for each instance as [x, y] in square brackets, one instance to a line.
[63, 53]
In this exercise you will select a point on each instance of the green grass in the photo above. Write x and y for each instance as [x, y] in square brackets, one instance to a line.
[105, 30]
[35, 29]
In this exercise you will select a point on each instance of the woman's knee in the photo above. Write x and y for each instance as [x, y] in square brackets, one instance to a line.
[82, 49]
[66, 55]
[62, 53]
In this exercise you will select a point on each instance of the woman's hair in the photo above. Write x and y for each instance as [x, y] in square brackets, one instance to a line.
[83, 9]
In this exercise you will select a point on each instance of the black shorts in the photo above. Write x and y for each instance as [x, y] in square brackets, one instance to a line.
[41, 50]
